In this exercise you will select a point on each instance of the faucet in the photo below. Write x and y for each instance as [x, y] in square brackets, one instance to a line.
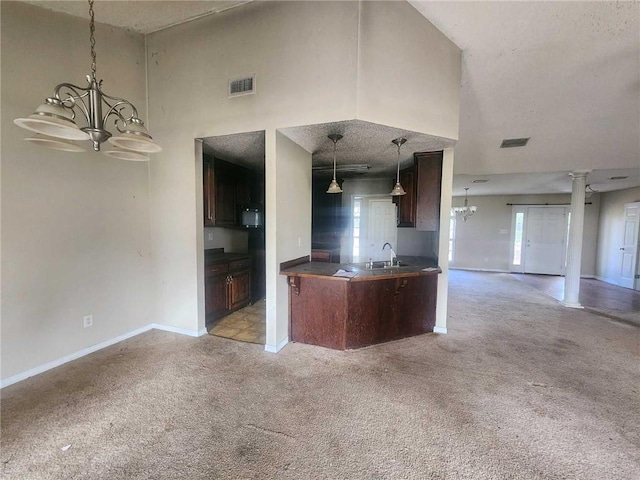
[393, 254]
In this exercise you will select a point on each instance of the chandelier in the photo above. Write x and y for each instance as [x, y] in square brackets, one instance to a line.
[54, 120]
[466, 211]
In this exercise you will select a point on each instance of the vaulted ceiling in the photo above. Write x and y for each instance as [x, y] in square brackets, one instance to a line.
[566, 74]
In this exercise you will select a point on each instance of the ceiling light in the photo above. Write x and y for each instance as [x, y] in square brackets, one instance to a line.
[56, 116]
[620, 177]
[354, 168]
[333, 186]
[397, 189]
[514, 142]
[466, 211]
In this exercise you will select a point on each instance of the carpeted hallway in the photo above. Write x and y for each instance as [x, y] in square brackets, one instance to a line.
[520, 388]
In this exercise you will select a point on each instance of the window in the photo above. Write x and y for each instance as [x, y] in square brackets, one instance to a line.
[452, 236]
[517, 243]
[357, 203]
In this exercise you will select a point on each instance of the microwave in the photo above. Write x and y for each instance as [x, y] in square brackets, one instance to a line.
[252, 218]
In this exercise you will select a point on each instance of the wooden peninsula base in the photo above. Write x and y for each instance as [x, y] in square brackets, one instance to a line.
[369, 308]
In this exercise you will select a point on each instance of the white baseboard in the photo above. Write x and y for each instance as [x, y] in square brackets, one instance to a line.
[181, 331]
[437, 329]
[74, 356]
[277, 348]
[606, 280]
[571, 305]
[94, 348]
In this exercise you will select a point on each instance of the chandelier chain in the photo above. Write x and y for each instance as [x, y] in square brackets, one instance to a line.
[92, 40]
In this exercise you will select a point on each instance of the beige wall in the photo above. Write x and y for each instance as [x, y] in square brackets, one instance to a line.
[409, 75]
[610, 232]
[292, 223]
[76, 236]
[231, 240]
[484, 241]
[305, 56]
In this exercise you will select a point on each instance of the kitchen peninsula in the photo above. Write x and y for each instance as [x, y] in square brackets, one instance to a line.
[346, 306]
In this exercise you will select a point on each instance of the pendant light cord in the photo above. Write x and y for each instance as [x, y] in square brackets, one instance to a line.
[92, 40]
[335, 142]
[398, 174]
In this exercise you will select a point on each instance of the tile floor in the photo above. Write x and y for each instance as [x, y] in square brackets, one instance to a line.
[246, 325]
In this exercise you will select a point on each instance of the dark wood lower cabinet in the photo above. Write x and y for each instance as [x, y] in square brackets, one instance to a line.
[227, 287]
[343, 314]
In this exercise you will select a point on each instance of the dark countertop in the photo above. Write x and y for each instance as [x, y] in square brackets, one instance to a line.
[215, 256]
[415, 266]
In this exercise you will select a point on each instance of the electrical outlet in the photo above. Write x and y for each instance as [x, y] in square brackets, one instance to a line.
[87, 321]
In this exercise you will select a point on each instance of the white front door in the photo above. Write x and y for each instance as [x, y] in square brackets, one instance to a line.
[381, 227]
[629, 247]
[544, 248]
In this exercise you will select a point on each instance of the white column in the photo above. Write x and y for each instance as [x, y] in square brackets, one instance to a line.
[574, 250]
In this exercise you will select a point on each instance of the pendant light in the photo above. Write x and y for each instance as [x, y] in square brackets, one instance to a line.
[333, 186]
[397, 189]
[55, 118]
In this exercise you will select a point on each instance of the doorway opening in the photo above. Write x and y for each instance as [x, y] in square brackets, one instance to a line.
[233, 169]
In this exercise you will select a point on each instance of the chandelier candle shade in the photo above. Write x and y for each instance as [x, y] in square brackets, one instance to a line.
[54, 120]
[466, 211]
[333, 186]
[397, 189]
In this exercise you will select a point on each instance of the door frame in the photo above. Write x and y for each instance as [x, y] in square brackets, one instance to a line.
[524, 209]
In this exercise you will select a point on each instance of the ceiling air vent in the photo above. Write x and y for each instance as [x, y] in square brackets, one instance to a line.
[514, 142]
[242, 86]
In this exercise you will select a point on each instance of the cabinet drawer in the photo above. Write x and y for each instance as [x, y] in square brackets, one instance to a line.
[239, 264]
[219, 269]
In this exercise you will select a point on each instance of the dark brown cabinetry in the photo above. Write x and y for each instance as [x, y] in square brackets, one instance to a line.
[227, 285]
[345, 314]
[225, 191]
[420, 207]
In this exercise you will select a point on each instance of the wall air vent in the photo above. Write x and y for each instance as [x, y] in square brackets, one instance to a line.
[514, 142]
[480, 180]
[242, 86]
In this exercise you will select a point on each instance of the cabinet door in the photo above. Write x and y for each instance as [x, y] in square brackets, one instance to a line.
[215, 297]
[239, 289]
[407, 203]
[428, 186]
[225, 195]
[207, 192]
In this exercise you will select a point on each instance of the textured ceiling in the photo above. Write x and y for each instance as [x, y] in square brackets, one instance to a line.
[142, 16]
[566, 74]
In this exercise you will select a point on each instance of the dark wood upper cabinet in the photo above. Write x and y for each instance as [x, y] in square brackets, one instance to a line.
[407, 203]
[226, 189]
[429, 188]
[420, 207]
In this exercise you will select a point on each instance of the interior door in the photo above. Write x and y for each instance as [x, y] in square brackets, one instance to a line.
[381, 227]
[629, 247]
[545, 240]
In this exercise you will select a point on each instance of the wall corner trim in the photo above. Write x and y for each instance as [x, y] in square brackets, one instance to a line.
[94, 348]
[437, 329]
[278, 347]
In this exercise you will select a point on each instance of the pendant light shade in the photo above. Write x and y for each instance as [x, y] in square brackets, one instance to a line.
[53, 119]
[56, 118]
[122, 154]
[333, 186]
[55, 143]
[397, 189]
